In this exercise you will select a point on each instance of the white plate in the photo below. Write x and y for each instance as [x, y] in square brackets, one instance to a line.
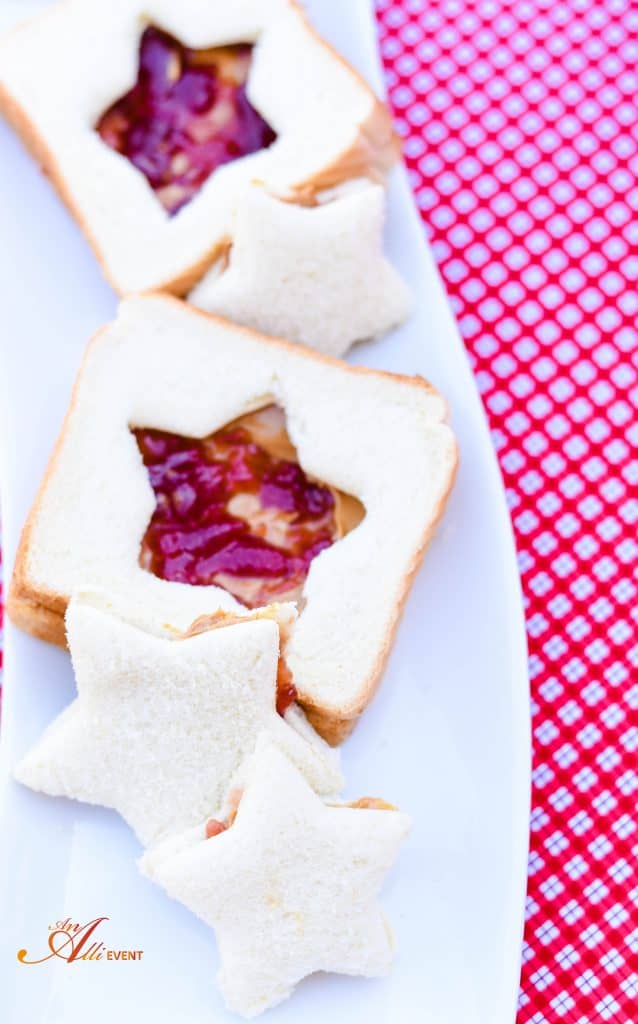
[447, 738]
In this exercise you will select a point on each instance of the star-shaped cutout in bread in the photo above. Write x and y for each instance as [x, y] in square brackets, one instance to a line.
[312, 274]
[161, 723]
[290, 884]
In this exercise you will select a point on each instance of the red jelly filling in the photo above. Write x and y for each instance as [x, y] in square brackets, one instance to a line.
[214, 827]
[186, 115]
[235, 510]
[286, 691]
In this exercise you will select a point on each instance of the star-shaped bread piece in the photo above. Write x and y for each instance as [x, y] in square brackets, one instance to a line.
[312, 274]
[160, 724]
[289, 884]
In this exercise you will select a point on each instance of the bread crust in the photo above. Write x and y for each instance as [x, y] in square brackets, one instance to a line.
[34, 609]
[372, 154]
[41, 612]
[36, 619]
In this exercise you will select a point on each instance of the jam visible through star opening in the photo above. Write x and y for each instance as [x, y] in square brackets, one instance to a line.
[236, 509]
[186, 115]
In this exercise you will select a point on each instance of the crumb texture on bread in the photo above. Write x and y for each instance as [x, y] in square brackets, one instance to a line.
[377, 436]
[160, 725]
[290, 888]
[60, 71]
[312, 274]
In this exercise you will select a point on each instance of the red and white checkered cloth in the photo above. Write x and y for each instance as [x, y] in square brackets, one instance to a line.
[521, 136]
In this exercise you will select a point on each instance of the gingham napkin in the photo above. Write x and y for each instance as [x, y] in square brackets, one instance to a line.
[520, 127]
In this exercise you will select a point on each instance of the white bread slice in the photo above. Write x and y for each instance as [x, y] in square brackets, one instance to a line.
[378, 436]
[61, 70]
[312, 274]
[291, 887]
[160, 725]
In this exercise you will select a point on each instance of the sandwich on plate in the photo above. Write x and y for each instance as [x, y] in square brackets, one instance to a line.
[150, 117]
[199, 456]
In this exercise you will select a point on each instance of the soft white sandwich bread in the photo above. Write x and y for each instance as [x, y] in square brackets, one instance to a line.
[312, 274]
[63, 69]
[289, 884]
[161, 722]
[378, 436]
